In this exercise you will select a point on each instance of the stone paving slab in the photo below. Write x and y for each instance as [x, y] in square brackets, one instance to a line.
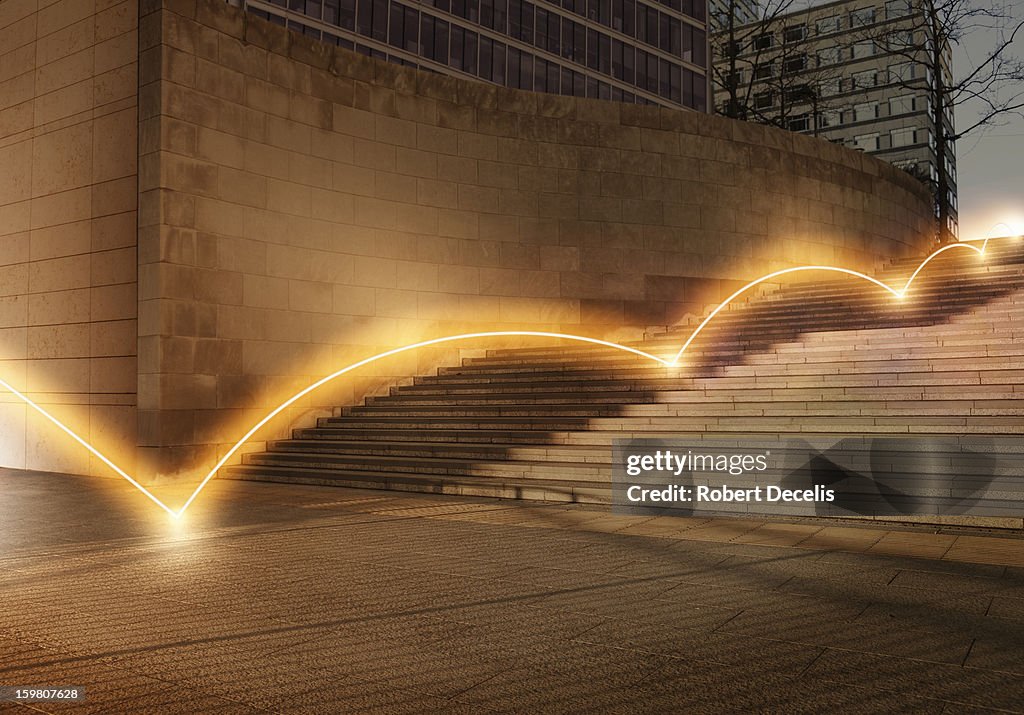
[296, 599]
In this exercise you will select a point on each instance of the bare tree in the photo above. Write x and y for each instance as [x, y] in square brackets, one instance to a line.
[925, 37]
[735, 43]
[764, 69]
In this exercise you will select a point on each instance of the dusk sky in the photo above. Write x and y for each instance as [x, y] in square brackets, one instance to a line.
[989, 163]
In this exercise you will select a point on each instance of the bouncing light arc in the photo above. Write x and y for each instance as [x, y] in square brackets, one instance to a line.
[674, 361]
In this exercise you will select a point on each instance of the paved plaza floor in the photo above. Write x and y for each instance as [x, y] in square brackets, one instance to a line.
[317, 600]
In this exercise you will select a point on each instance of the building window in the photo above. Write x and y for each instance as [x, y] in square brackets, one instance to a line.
[347, 15]
[427, 33]
[380, 20]
[865, 112]
[440, 42]
[499, 73]
[827, 24]
[458, 41]
[652, 26]
[617, 14]
[897, 8]
[733, 48]
[764, 71]
[492, 60]
[797, 63]
[799, 124]
[554, 33]
[830, 118]
[863, 80]
[541, 38]
[764, 42]
[797, 33]
[592, 58]
[515, 58]
[862, 17]
[901, 137]
[799, 93]
[763, 100]
[903, 72]
[900, 40]
[830, 87]
[829, 56]
[863, 49]
[676, 82]
[406, 38]
[866, 142]
[525, 71]
[903, 104]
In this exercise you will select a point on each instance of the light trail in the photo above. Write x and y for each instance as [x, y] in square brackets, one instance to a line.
[177, 514]
[380, 356]
[763, 279]
[99, 455]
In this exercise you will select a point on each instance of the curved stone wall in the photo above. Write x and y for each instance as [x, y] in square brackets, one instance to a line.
[301, 206]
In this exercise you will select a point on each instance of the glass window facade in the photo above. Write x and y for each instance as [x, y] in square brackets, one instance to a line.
[643, 51]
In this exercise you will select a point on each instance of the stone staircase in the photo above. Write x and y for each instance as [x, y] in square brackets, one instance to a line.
[821, 357]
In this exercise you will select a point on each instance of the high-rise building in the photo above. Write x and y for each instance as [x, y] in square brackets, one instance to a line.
[641, 51]
[743, 12]
[854, 72]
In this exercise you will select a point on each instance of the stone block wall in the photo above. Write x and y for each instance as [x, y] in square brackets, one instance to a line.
[200, 213]
[68, 196]
[302, 206]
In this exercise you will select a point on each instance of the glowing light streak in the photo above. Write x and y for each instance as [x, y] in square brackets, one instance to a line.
[95, 452]
[763, 279]
[380, 356]
[177, 514]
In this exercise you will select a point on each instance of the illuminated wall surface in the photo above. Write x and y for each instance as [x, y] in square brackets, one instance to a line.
[68, 122]
[300, 207]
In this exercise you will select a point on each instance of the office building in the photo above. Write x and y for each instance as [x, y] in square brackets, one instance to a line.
[846, 72]
[743, 12]
[623, 50]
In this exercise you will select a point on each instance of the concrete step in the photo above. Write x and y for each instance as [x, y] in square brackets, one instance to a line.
[685, 408]
[713, 401]
[1001, 357]
[578, 464]
[574, 453]
[454, 434]
[427, 466]
[354, 431]
[994, 366]
[596, 419]
[549, 490]
[699, 390]
[778, 342]
[791, 361]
